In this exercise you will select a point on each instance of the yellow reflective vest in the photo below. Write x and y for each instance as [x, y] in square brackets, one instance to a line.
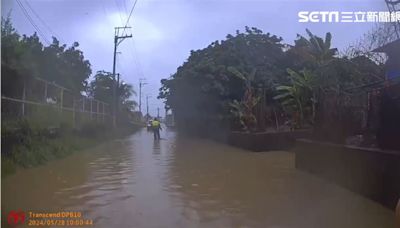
[155, 124]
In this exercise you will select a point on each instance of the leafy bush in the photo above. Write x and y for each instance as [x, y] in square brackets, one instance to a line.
[26, 144]
[92, 129]
[15, 133]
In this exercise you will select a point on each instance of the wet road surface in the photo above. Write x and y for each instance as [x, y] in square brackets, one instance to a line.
[186, 182]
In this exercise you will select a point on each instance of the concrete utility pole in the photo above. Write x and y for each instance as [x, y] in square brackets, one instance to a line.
[141, 84]
[117, 93]
[147, 104]
[117, 40]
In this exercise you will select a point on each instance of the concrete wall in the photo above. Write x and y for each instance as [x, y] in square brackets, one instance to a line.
[265, 141]
[372, 173]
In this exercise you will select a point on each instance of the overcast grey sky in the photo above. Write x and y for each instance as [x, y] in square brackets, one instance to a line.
[164, 31]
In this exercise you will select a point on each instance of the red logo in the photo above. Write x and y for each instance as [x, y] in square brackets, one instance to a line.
[16, 217]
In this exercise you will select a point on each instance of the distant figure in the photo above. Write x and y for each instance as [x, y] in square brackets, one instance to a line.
[156, 125]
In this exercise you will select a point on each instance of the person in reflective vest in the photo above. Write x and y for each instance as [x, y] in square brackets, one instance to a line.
[156, 125]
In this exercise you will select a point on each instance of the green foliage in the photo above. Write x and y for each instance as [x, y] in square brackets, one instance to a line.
[7, 166]
[47, 132]
[323, 73]
[205, 86]
[93, 129]
[24, 57]
[219, 81]
[299, 98]
[315, 49]
[26, 145]
[101, 88]
[243, 111]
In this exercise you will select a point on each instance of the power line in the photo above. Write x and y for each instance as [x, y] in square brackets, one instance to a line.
[130, 14]
[140, 72]
[42, 21]
[31, 21]
[136, 60]
[132, 48]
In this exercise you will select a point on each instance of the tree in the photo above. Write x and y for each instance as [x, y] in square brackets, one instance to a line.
[312, 52]
[318, 71]
[244, 110]
[299, 98]
[101, 88]
[203, 88]
[379, 35]
[25, 57]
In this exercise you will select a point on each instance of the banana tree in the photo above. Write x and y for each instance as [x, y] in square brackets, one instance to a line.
[317, 48]
[243, 110]
[299, 96]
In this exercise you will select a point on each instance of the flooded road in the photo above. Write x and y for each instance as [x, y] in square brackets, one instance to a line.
[183, 182]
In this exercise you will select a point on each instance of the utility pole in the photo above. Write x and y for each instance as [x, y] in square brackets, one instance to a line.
[117, 94]
[147, 104]
[394, 7]
[158, 112]
[141, 84]
[117, 40]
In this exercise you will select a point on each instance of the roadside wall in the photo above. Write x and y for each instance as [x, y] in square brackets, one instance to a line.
[373, 173]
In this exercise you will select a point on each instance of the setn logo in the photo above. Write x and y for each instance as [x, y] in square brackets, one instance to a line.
[318, 16]
[16, 217]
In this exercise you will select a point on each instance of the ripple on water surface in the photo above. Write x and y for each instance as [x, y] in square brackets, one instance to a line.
[183, 182]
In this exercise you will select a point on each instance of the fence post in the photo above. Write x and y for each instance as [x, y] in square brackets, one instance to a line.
[104, 112]
[73, 112]
[61, 99]
[23, 97]
[45, 92]
[97, 113]
[91, 109]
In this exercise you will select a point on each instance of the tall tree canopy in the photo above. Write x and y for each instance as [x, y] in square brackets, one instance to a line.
[203, 87]
[101, 88]
[210, 84]
[24, 57]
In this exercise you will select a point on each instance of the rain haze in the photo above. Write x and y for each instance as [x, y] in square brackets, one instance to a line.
[164, 32]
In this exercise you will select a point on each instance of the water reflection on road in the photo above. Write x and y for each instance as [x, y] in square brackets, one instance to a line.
[184, 182]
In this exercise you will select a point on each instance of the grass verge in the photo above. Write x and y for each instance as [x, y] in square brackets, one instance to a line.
[26, 145]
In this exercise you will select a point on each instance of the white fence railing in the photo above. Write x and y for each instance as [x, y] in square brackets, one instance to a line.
[42, 94]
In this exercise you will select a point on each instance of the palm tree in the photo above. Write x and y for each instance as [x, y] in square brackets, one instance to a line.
[102, 86]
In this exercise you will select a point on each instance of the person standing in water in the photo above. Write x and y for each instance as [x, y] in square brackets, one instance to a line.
[156, 125]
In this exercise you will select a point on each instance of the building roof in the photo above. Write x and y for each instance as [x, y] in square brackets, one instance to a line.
[392, 47]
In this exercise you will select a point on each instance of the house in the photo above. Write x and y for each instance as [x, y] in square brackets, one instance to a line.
[392, 65]
[389, 110]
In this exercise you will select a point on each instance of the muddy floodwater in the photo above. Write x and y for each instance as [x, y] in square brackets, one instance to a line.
[186, 182]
